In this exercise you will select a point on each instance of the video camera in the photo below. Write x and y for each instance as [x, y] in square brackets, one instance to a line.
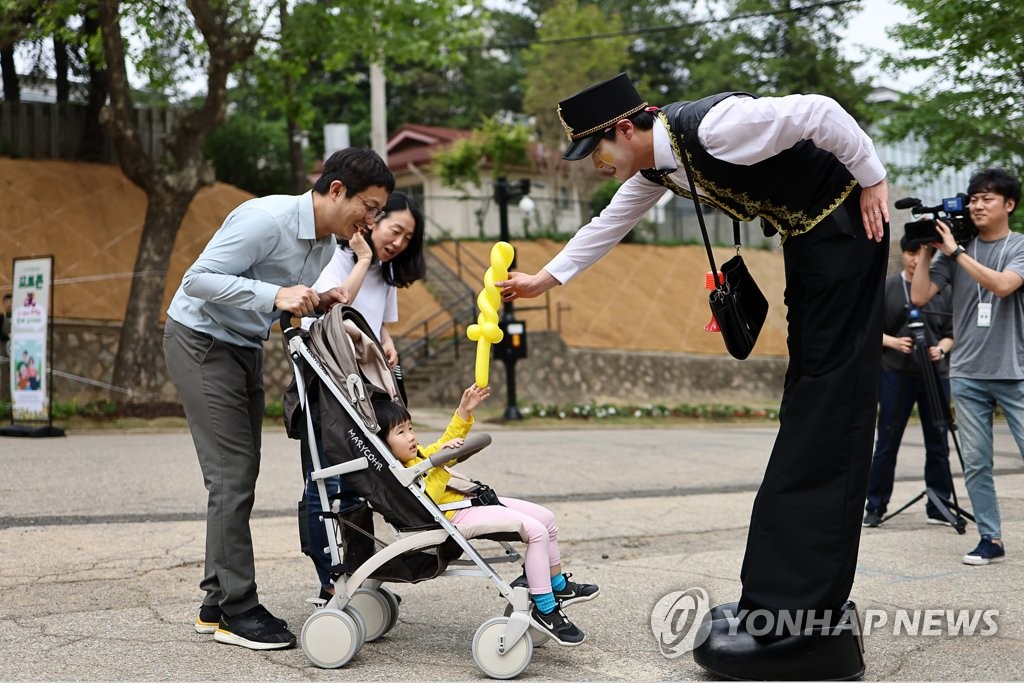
[952, 211]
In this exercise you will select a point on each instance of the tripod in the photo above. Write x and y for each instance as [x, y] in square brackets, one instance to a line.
[938, 403]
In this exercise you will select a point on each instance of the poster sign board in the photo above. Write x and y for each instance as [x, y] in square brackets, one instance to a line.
[30, 338]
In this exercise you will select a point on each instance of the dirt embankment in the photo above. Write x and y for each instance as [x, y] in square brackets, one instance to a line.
[89, 217]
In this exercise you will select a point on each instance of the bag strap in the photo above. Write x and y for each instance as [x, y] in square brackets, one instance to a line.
[700, 219]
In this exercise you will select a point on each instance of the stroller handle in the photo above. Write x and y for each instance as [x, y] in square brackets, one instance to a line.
[473, 444]
[286, 325]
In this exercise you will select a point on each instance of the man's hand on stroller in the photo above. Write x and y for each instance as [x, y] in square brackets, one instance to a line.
[331, 298]
[298, 300]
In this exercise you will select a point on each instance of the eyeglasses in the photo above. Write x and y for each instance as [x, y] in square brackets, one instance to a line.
[372, 212]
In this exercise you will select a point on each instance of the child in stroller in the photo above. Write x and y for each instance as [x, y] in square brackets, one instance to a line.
[340, 377]
[549, 588]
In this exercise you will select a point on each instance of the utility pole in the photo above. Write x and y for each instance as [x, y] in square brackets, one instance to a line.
[513, 341]
[378, 111]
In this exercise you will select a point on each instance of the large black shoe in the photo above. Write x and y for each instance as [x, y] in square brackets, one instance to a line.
[727, 650]
[209, 619]
[256, 629]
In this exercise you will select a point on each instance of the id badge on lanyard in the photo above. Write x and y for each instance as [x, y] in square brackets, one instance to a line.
[984, 314]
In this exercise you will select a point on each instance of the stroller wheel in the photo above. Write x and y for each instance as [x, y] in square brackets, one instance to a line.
[393, 603]
[540, 638]
[375, 610]
[490, 660]
[330, 638]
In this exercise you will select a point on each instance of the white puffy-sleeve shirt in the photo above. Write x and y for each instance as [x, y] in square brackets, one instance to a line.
[739, 130]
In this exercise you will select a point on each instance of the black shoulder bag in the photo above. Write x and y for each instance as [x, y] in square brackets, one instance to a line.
[736, 302]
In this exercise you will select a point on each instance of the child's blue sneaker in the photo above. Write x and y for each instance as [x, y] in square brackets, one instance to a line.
[576, 592]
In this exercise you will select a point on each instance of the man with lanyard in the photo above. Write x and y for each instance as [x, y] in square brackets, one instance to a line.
[804, 168]
[988, 324]
[903, 385]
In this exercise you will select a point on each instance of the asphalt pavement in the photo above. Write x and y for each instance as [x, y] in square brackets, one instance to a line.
[102, 534]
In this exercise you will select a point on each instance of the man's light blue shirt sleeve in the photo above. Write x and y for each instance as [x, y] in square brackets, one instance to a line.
[246, 239]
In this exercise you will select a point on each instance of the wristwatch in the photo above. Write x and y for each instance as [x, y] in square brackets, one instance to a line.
[955, 254]
[942, 353]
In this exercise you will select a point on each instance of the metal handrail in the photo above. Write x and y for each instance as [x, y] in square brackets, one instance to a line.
[475, 261]
[430, 343]
[445, 328]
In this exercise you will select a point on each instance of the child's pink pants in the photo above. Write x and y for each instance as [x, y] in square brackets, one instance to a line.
[541, 532]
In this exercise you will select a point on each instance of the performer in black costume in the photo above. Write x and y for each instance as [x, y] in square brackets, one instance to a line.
[803, 167]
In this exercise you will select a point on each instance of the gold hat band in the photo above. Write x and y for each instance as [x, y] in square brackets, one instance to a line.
[587, 133]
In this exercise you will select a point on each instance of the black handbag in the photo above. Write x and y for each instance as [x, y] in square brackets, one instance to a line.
[736, 302]
[739, 307]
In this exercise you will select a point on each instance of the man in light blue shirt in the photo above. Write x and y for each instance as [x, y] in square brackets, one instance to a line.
[260, 263]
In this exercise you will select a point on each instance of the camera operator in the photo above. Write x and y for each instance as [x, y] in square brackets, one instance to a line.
[903, 386]
[988, 324]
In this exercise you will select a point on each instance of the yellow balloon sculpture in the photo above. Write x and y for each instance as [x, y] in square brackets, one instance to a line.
[486, 331]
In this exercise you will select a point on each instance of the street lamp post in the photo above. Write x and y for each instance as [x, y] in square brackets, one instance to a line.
[505, 192]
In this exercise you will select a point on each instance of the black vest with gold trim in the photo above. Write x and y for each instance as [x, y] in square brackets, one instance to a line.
[790, 192]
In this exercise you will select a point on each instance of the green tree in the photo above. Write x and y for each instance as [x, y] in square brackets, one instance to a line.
[251, 153]
[487, 81]
[666, 43]
[170, 40]
[555, 70]
[558, 66]
[781, 47]
[76, 54]
[315, 71]
[970, 115]
[502, 146]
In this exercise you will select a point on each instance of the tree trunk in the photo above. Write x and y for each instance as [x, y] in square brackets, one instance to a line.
[170, 182]
[139, 363]
[60, 65]
[12, 92]
[94, 137]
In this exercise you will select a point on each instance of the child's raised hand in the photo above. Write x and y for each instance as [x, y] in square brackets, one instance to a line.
[472, 397]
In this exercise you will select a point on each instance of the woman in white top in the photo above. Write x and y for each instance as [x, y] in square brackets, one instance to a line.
[371, 266]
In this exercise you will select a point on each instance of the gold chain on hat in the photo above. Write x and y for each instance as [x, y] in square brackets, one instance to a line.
[595, 129]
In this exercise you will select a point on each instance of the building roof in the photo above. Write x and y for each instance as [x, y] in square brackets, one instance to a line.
[414, 144]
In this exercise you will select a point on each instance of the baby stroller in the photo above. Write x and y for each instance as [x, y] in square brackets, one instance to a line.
[339, 369]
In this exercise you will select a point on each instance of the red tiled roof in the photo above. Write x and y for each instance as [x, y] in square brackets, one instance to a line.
[416, 144]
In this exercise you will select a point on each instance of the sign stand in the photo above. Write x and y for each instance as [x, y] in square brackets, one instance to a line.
[31, 349]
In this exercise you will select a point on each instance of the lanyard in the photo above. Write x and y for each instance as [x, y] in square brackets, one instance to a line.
[1002, 252]
[906, 288]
